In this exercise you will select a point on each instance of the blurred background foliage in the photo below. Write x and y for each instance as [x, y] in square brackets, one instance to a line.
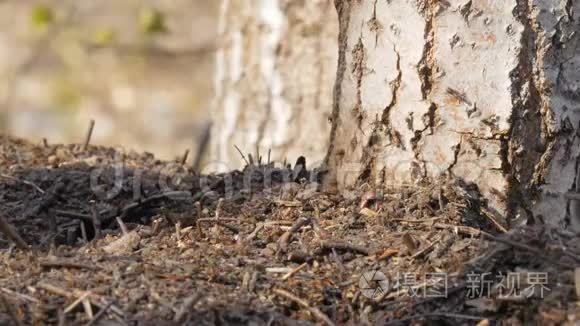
[141, 69]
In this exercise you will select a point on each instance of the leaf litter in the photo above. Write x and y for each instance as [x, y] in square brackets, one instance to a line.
[121, 238]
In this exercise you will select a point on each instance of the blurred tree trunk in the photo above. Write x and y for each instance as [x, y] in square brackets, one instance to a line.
[487, 91]
[274, 78]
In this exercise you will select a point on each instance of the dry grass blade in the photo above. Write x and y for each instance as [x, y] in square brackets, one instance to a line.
[242, 154]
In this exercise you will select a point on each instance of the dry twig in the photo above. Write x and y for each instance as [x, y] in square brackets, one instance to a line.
[11, 234]
[66, 264]
[100, 314]
[184, 157]
[201, 147]
[242, 154]
[33, 185]
[294, 271]
[341, 245]
[89, 135]
[285, 238]
[313, 310]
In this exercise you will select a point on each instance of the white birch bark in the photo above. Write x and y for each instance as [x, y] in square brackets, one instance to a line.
[487, 91]
[274, 80]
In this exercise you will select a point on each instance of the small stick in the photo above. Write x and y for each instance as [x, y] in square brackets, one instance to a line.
[340, 245]
[78, 301]
[24, 182]
[66, 264]
[219, 208]
[74, 293]
[285, 238]
[197, 206]
[254, 233]
[427, 220]
[44, 142]
[84, 232]
[220, 222]
[467, 230]
[201, 147]
[253, 280]
[12, 235]
[232, 228]
[185, 156]
[313, 310]
[122, 225]
[100, 314]
[73, 215]
[96, 219]
[88, 308]
[427, 248]
[493, 221]
[89, 135]
[213, 219]
[19, 295]
[56, 290]
[242, 154]
[178, 230]
[61, 318]
[52, 225]
[269, 152]
[294, 271]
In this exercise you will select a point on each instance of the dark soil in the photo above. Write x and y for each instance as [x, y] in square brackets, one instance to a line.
[254, 247]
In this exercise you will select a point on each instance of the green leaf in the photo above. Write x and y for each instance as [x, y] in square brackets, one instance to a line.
[152, 21]
[104, 36]
[41, 16]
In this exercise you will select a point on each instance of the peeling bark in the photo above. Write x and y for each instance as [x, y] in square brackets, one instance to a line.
[487, 92]
[274, 77]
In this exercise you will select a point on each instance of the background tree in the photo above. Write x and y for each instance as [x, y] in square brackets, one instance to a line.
[274, 78]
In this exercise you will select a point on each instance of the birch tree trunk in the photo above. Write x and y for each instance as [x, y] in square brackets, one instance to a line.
[274, 80]
[487, 91]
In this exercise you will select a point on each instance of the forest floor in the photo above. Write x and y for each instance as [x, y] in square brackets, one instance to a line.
[120, 238]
